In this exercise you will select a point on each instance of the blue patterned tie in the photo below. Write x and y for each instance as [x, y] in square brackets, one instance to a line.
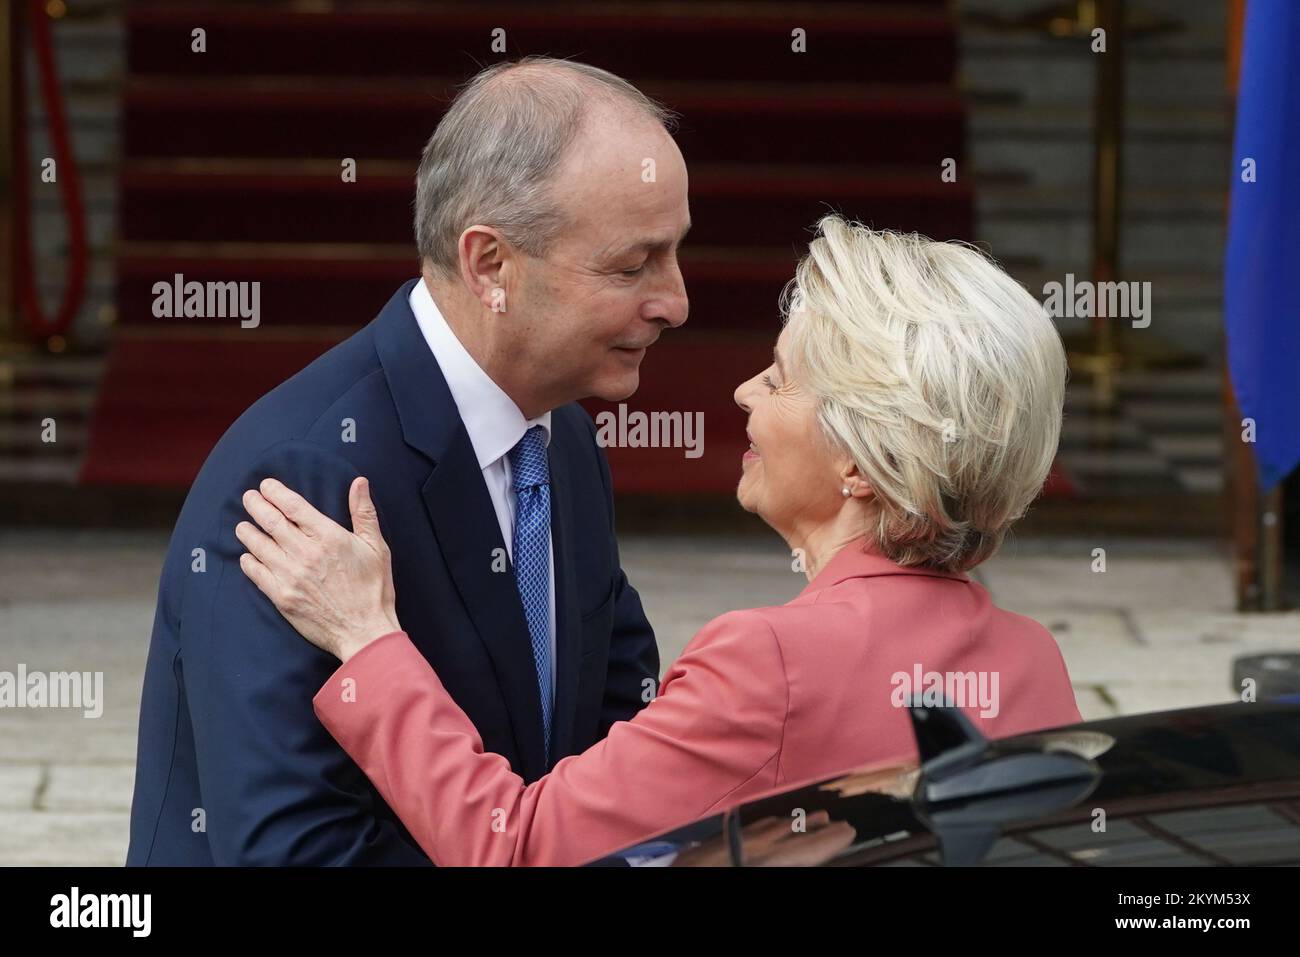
[532, 555]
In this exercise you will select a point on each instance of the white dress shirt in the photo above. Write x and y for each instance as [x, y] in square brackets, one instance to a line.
[493, 421]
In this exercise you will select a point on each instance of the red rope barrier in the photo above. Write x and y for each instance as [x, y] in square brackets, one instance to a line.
[69, 183]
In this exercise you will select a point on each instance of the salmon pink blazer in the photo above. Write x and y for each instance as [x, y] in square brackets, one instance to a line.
[758, 699]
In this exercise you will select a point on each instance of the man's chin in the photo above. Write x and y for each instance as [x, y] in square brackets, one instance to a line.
[616, 388]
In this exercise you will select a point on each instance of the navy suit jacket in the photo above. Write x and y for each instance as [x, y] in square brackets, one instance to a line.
[233, 766]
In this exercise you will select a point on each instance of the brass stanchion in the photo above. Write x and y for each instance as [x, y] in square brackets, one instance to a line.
[11, 341]
[1102, 353]
[9, 56]
[1106, 358]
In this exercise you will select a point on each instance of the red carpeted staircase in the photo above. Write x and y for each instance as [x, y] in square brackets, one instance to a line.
[231, 171]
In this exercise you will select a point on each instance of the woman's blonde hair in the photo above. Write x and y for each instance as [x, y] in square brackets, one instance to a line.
[939, 374]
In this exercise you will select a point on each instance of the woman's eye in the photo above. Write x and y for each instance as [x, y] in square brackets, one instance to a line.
[767, 381]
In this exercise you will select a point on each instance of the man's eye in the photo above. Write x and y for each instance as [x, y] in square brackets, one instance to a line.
[633, 272]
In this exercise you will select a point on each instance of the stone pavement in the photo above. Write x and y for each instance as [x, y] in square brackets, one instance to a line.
[1154, 631]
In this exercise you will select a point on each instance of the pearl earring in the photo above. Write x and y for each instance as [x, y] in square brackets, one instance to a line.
[845, 491]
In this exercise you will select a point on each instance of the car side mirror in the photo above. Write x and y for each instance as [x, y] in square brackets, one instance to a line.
[968, 790]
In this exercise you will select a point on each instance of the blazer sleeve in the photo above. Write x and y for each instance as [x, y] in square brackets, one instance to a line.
[276, 788]
[632, 673]
[716, 726]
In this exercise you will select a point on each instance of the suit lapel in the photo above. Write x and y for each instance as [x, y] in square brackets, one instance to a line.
[463, 521]
[567, 631]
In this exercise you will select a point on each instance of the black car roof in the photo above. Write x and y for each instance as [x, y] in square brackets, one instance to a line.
[1232, 755]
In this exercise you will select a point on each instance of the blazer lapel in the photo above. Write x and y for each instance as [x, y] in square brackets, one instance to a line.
[463, 520]
[568, 648]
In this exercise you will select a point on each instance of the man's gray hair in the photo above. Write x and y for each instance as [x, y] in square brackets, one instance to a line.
[494, 154]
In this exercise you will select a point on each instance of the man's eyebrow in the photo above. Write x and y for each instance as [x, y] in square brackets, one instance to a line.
[652, 246]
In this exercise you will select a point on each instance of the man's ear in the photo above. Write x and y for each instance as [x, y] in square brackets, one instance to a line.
[483, 253]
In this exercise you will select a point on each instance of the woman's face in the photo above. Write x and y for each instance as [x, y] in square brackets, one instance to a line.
[790, 478]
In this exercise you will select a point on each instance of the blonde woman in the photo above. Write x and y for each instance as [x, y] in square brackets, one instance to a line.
[909, 417]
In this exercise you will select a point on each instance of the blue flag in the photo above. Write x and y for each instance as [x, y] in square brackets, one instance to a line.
[1262, 269]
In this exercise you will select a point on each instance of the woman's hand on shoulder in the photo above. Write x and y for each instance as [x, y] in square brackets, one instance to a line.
[334, 586]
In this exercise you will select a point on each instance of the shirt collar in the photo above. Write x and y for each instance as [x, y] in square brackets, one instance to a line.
[493, 421]
[861, 559]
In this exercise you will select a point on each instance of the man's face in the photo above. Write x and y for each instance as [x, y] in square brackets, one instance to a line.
[609, 283]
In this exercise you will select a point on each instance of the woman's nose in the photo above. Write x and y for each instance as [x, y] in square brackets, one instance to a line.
[739, 395]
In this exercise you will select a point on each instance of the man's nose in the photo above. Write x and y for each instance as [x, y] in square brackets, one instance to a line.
[674, 306]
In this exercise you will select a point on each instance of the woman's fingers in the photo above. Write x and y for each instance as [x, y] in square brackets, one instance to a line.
[335, 587]
[260, 576]
[295, 508]
[286, 534]
[818, 819]
[817, 846]
[365, 520]
[261, 545]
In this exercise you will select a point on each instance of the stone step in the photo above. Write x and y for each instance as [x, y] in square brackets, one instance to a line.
[25, 370]
[40, 402]
[1072, 117]
[1044, 70]
[1161, 244]
[90, 51]
[25, 437]
[1188, 40]
[1176, 416]
[1141, 201]
[1205, 15]
[1200, 383]
[1066, 160]
[1201, 450]
[1175, 287]
[1192, 330]
[54, 471]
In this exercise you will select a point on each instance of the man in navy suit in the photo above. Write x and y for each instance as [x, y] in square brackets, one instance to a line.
[550, 205]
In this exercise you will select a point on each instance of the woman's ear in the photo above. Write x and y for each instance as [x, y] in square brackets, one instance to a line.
[852, 479]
